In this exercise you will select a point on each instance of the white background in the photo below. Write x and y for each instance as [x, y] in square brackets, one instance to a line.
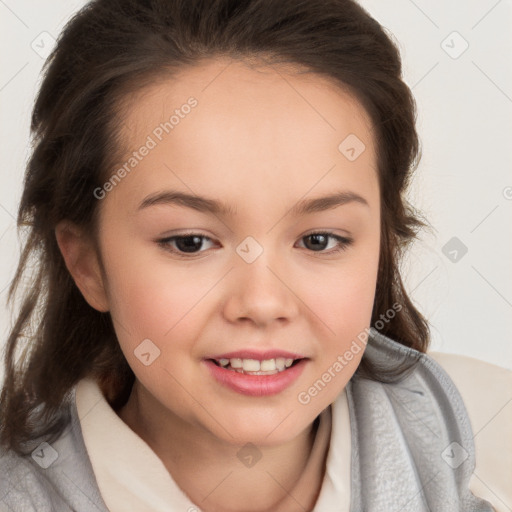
[463, 184]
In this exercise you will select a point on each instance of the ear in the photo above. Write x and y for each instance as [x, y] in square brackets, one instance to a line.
[82, 262]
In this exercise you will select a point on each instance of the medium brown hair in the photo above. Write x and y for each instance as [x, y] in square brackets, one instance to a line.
[112, 48]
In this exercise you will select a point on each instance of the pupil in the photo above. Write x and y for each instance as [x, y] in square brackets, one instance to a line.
[189, 243]
[316, 238]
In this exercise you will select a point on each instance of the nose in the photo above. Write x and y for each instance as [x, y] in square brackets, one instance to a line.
[260, 293]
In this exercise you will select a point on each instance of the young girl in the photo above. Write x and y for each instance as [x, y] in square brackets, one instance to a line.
[217, 321]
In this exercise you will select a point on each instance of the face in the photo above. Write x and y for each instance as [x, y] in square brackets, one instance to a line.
[250, 275]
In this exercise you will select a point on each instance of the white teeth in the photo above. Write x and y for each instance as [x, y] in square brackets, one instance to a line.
[251, 365]
[265, 367]
[268, 365]
[265, 373]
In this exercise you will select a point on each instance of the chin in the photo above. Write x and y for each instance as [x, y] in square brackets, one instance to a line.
[263, 433]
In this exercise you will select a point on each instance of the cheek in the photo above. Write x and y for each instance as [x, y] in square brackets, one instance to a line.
[344, 297]
[149, 298]
[344, 302]
[156, 313]
[346, 308]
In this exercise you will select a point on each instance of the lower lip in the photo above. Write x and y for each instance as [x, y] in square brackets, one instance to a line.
[256, 385]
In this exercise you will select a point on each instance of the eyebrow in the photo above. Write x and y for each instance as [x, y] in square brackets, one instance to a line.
[207, 205]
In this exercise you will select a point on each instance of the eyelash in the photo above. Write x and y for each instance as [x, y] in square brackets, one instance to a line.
[344, 243]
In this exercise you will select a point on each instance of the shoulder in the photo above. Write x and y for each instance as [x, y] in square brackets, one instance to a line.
[22, 487]
[52, 476]
[486, 390]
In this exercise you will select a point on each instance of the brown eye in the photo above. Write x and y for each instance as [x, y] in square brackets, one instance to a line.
[190, 243]
[319, 241]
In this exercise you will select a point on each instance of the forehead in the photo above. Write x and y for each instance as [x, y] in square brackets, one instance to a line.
[223, 86]
[251, 126]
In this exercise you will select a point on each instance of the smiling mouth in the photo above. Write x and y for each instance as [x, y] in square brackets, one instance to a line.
[255, 367]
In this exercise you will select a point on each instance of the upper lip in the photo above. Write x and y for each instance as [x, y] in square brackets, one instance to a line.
[258, 354]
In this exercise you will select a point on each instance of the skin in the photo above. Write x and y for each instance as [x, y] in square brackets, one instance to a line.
[260, 139]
